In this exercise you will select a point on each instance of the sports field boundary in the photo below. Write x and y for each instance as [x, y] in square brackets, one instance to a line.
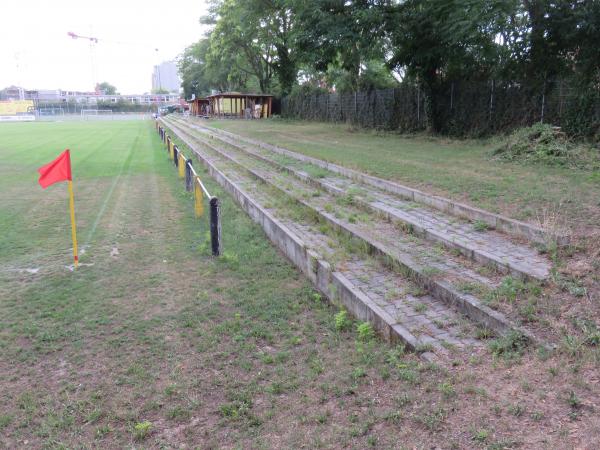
[194, 184]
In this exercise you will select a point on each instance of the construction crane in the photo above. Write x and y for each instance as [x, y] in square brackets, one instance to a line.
[78, 36]
[93, 40]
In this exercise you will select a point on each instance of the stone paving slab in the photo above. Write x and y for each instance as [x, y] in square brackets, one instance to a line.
[422, 252]
[513, 227]
[486, 246]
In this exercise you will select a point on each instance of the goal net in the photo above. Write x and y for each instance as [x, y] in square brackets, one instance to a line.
[51, 111]
[91, 113]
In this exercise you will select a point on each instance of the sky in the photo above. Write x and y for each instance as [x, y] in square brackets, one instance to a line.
[133, 36]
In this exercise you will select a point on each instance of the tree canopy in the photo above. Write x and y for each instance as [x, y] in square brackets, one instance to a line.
[278, 46]
[107, 88]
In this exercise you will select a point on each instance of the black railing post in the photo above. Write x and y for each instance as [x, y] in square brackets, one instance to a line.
[175, 156]
[215, 226]
[189, 181]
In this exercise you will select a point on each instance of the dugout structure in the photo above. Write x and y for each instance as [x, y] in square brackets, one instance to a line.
[199, 107]
[236, 105]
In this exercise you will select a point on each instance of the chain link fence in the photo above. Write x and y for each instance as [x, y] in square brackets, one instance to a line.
[460, 108]
[54, 108]
[401, 108]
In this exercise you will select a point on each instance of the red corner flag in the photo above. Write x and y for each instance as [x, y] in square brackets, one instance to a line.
[60, 170]
[57, 170]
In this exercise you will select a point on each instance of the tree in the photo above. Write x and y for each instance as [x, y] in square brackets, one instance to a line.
[263, 33]
[203, 68]
[342, 37]
[571, 31]
[547, 39]
[280, 17]
[435, 41]
[584, 41]
[106, 88]
[192, 66]
[240, 30]
[277, 45]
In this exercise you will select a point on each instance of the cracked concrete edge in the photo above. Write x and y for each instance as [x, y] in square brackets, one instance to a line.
[469, 251]
[467, 305]
[497, 221]
[330, 283]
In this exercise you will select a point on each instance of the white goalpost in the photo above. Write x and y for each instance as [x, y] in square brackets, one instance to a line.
[51, 111]
[89, 113]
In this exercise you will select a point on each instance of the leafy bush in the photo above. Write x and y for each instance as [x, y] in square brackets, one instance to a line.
[581, 120]
[365, 332]
[542, 143]
[342, 321]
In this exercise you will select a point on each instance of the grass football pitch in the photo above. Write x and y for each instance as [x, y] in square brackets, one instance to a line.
[153, 343]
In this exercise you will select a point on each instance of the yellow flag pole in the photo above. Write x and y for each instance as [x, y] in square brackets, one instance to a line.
[73, 226]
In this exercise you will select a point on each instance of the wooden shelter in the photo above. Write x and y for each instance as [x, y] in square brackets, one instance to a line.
[238, 105]
[199, 107]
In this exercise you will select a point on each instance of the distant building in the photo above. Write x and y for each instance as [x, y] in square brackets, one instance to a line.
[165, 77]
[58, 96]
[12, 93]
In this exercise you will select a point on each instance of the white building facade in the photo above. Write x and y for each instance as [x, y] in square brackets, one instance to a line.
[166, 77]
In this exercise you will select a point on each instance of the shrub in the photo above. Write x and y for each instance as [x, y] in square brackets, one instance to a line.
[580, 119]
[365, 332]
[342, 322]
[542, 143]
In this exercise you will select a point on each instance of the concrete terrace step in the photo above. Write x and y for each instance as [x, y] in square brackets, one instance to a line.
[442, 274]
[507, 225]
[376, 231]
[485, 246]
[371, 291]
